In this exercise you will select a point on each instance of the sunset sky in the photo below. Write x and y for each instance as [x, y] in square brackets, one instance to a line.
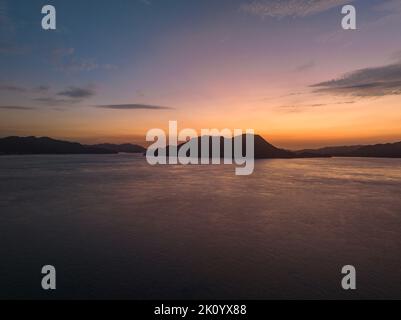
[115, 69]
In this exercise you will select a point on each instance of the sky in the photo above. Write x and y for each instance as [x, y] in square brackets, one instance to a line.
[112, 70]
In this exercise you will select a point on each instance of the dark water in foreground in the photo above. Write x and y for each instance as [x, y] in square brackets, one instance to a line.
[115, 227]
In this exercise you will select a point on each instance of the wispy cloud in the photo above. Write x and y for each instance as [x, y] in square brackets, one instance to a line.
[41, 88]
[79, 65]
[62, 52]
[305, 67]
[51, 101]
[17, 108]
[290, 8]
[78, 92]
[69, 96]
[369, 82]
[18, 88]
[66, 60]
[42, 94]
[11, 87]
[133, 107]
[295, 108]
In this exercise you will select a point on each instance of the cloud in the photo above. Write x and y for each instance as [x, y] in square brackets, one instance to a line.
[292, 108]
[66, 60]
[133, 107]
[73, 95]
[62, 52]
[41, 88]
[16, 88]
[79, 65]
[50, 101]
[17, 108]
[305, 67]
[78, 93]
[301, 107]
[369, 82]
[145, 2]
[290, 8]
[11, 87]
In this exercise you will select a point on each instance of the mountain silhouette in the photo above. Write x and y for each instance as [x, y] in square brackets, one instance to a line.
[265, 150]
[262, 149]
[388, 150]
[333, 151]
[44, 145]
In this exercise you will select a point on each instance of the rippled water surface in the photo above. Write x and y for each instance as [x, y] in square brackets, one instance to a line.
[114, 227]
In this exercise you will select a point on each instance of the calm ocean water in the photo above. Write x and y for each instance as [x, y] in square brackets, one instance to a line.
[114, 227]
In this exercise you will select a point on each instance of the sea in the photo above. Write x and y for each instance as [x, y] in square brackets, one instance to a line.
[115, 227]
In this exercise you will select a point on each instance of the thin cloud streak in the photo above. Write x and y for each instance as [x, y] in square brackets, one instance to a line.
[305, 67]
[78, 93]
[11, 87]
[49, 101]
[17, 88]
[290, 8]
[17, 108]
[292, 108]
[66, 60]
[133, 107]
[368, 82]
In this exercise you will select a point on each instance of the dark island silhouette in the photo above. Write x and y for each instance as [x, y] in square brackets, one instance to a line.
[263, 150]
[388, 150]
[44, 145]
